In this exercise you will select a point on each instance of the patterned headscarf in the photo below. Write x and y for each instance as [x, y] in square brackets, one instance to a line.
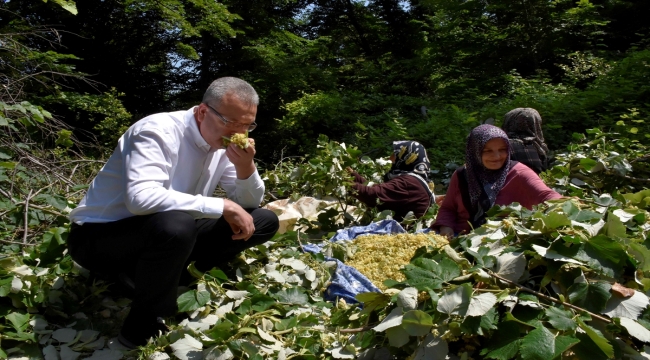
[484, 184]
[525, 124]
[410, 157]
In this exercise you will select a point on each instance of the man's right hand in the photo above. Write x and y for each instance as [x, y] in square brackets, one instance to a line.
[240, 221]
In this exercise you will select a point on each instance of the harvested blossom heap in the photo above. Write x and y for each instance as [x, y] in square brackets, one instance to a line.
[380, 257]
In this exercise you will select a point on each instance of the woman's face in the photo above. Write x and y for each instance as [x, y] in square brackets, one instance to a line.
[495, 153]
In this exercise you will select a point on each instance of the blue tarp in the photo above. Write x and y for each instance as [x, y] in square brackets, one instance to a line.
[347, 281]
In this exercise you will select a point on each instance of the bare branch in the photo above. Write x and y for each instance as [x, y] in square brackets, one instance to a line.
[546, 297]
[29, 196]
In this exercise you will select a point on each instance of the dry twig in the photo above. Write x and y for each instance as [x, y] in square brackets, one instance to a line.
[29, 196]
[546, 297]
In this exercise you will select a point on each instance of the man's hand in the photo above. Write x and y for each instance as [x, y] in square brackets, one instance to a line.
[240, 221]
[242, 159]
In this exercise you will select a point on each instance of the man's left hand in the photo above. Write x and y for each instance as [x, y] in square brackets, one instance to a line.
[242, 159]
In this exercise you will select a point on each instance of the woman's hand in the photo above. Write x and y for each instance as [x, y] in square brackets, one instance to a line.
[349, 170]
[447, 231]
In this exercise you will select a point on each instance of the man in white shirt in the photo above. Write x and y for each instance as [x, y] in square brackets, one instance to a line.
[150, 211]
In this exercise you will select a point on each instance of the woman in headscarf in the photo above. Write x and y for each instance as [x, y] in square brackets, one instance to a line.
[406, 186]
[488, 177]
[524, 129]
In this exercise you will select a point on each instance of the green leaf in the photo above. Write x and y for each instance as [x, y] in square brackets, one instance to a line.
[187, 301]
[262, 302]
[511, 266]
[417, 323]
[285, 324]
[480, 304]
[505, 342]
[218, 274]
[64, 138]
[539, 344]
[608, 249]
[57, 201]
[372, 301]
[588, 163]
[587, 349]
[291, 296]
[421, 279]
[563, 343]
[249, 348]
[561, 319]
[591, 296]
[490, 320]
[640, 199]
[427, 264]
[68, 5]
[555, 220]
[455, 301]
[614, 226]
[448, 270]
[641, 254]
[598, 339]
[18, 321]
[397, 336]
[202, 297]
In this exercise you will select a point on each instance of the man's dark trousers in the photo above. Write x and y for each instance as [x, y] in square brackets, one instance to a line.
[154, 250]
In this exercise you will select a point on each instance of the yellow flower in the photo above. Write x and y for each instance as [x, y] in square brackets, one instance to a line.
[238, 139]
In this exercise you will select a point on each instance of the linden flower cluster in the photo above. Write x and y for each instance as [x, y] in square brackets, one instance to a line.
[238, 139]
[380, 257]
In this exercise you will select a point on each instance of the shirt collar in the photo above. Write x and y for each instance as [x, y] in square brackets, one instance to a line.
[190, 121]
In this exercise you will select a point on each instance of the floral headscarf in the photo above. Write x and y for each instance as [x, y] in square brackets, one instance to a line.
[525, 124]
[410, 157]
[484, 184]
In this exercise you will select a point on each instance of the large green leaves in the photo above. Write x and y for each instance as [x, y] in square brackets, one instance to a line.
[417, 323]
[426, 274]
[505, 342]
[192, 300]
[598, 339]
[561, 319]
[591, 296]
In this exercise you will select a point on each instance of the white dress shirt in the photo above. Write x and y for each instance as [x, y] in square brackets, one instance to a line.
[162, 163]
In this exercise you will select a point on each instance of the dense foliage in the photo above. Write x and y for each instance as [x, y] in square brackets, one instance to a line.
[339, 80]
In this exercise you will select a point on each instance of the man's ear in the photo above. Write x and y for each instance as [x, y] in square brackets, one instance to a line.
[199, 115]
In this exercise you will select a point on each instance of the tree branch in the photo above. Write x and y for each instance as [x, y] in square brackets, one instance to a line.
[546, 297]
[29, 196]
[356, 330]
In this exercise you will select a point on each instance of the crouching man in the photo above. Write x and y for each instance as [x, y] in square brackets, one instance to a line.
[149, 212]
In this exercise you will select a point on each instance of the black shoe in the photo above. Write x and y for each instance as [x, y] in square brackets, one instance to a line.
[136, 332]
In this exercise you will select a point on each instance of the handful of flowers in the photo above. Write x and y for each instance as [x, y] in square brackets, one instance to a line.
[240, 140]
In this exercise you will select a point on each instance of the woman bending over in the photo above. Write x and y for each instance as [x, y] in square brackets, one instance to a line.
[406, 185]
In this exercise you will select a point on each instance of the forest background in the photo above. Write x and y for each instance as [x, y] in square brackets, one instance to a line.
[360, 72]
[75, 75]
